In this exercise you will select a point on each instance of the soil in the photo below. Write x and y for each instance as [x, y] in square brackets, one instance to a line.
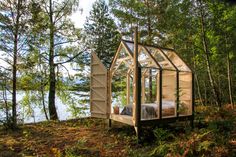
[84, 137]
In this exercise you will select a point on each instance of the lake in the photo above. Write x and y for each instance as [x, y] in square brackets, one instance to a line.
[35, 113]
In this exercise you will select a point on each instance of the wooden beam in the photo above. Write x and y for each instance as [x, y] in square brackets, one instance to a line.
[123, 59]
[145, 60]
[177, 95]
[165, 120]
[137, 87]
[160, 94]
[114, 70]
[128, 88]
[158, 90]
[109, 77]
[143, 89]
[122, 118]
[116, 55]
[193, 101]
[135, 92]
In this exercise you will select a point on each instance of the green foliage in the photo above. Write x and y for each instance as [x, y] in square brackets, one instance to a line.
[190, 144]
[203, 140]
[167, 27]
[27, 101]
[8, 123]
[101, 34]
[162, 136]
[81, 150]
[74, 106]
[204, 146]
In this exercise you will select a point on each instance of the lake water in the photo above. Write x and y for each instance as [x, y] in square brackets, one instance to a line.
[36, 113]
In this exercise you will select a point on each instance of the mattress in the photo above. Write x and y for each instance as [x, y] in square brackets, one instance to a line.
[151, 110]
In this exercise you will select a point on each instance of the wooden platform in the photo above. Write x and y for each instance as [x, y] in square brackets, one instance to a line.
[122, 118]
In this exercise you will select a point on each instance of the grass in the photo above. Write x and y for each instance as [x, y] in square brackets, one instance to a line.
[214, 134]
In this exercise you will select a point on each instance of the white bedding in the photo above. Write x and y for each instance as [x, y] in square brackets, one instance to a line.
[165, 104]
[149, 110]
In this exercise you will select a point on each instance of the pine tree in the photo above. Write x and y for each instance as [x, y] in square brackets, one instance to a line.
[60, 34]
[14, 37]
[101, 35]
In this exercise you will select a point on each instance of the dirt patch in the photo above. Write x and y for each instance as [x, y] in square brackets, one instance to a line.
[87, 137]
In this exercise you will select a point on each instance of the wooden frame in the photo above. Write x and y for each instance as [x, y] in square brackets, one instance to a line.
[134, 68]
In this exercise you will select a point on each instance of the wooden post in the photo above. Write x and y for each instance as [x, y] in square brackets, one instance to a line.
[137, 86]
[138, 103]
[157, 90]
[143, 89]
[160, 94]
[150, 85]
[193, 101]
[128, 88]
[109, 96]
[177, 93]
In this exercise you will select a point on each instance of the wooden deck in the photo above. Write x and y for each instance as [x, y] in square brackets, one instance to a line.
[122, 118]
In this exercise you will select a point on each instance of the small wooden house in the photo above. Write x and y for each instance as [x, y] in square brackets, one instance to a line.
[157, 86]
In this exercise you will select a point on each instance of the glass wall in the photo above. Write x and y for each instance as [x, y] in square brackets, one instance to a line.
[169, 93]
[185, 93]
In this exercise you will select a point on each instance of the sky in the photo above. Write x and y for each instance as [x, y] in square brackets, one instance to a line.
[82, 12]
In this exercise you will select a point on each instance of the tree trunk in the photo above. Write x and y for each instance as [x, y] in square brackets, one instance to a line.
[14, 68]
[205, 93]
[197, 81]
[149, 22]
[206, 51]
[43, 72]
[52, 76]
[43, 101]
[5, 99]
[229, 76]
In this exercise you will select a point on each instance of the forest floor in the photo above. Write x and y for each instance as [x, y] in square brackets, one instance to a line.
[214, 135]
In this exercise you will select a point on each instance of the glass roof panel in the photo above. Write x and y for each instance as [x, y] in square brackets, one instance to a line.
[167, 59]
[160, 58]
[179, 63]
[145, 59]
[130, 45]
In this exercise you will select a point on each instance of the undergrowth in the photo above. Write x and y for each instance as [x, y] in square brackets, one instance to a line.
[210, 137]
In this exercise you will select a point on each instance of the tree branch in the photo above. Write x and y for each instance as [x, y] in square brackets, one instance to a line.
[69, 60]
[57, 18]
[65, 42]
[68, 73]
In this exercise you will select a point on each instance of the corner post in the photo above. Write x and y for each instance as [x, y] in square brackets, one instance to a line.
[109, 96]
[137, 87]
[160, 94]
[177, 94]
[193, 101]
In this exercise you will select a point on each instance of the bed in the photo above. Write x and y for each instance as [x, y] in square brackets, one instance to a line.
[151, 110]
